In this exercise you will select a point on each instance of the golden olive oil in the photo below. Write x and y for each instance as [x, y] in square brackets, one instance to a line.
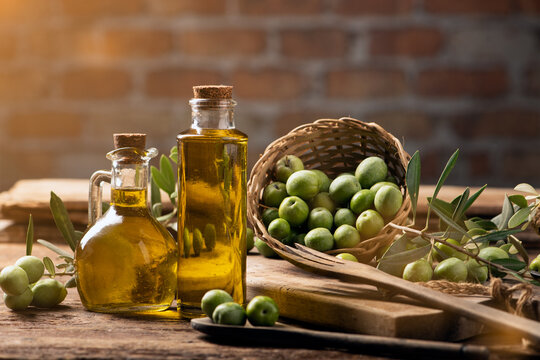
[212, 215]
[126, 262]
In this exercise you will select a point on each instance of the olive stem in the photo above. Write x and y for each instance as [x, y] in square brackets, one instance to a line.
[60, 274]
[455, 247]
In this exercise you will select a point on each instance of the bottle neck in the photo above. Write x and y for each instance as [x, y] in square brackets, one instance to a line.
[212, 113]
[128, 184]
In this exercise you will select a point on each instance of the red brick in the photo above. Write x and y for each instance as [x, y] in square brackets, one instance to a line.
[506, 123]
[137, 42]
[452, 82]
[95, 83]
[521, 166]
[8, 46]
[480, 164]
[180, 7]
[100, 8]
[378, 7]
[315, 43]
[27, 164]
[290, 120]
[45, 125]
[532, 80]
[412, 42]
[268, 84]
[22, 11]
[178, 82]
[23, 84]
[60, 43]
[223, 42]
[366, 83]
[404, 124]
[280, 7]
[531, 7]
[432, 161]
[468, 6]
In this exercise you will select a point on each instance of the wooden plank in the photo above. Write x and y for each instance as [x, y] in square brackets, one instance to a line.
[328, 302]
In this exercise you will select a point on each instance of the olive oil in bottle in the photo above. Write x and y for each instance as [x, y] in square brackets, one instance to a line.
[212, 205]
[126, 261]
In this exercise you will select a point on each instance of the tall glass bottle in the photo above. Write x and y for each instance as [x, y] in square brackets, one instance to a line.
[212, 205]
[126, 261]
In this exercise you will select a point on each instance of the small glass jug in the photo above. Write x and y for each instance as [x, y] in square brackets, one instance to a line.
[126, 261]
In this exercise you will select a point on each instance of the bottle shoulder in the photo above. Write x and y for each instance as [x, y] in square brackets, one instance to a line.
[226, 134]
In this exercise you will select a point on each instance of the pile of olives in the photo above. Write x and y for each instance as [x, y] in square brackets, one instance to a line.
[307, 207]
[22, 286]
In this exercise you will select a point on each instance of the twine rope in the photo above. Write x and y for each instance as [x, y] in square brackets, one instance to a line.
[499, 291]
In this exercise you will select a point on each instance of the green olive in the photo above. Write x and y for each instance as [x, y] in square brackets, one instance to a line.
[47, 293]
[33, 266]
[13, 280]
[19, 302]
[198, 242]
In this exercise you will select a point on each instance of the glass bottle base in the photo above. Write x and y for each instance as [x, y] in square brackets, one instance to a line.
[128, 308]
[191, 312]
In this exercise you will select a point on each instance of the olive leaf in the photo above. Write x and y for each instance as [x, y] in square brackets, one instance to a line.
[49, 265]
[448, 220]
[519, 200]
[157, 210]
[78, 236]
[54, 248]
[30, 236]
[470, 224]
[67, 259]
[495, 235]
[72, 282]
[155, 194]
[507, 211]
[62, 220]
[412, 179]
[444, 175]
[486, 224]
[394, 264]
[459, 211]
[510, 264]
[160, 180]
[444, 206]
[473, 198]
[399, 245]
[526, 188]
[173, 155]
[166, 217]
[167, 171]
[519, 247]
[519, 217]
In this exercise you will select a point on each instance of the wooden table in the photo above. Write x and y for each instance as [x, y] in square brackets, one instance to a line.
[69, 331]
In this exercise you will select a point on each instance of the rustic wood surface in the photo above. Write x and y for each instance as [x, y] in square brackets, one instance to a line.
[69, 331]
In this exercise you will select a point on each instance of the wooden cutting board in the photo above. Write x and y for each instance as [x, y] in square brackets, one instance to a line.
[327, 302]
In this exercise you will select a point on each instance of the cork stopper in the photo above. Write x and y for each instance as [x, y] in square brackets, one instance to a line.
[130, 140]
[212, 92]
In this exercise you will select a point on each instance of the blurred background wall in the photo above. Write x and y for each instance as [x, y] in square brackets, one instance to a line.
[438, 74]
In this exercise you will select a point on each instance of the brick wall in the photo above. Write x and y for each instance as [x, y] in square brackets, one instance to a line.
[440, 74]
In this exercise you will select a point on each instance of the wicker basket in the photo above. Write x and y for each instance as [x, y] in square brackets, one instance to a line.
[333, 146]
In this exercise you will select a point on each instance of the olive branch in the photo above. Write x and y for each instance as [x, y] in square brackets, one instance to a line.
[516, 216]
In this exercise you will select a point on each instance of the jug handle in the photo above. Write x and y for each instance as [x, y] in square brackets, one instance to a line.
[95, 195]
